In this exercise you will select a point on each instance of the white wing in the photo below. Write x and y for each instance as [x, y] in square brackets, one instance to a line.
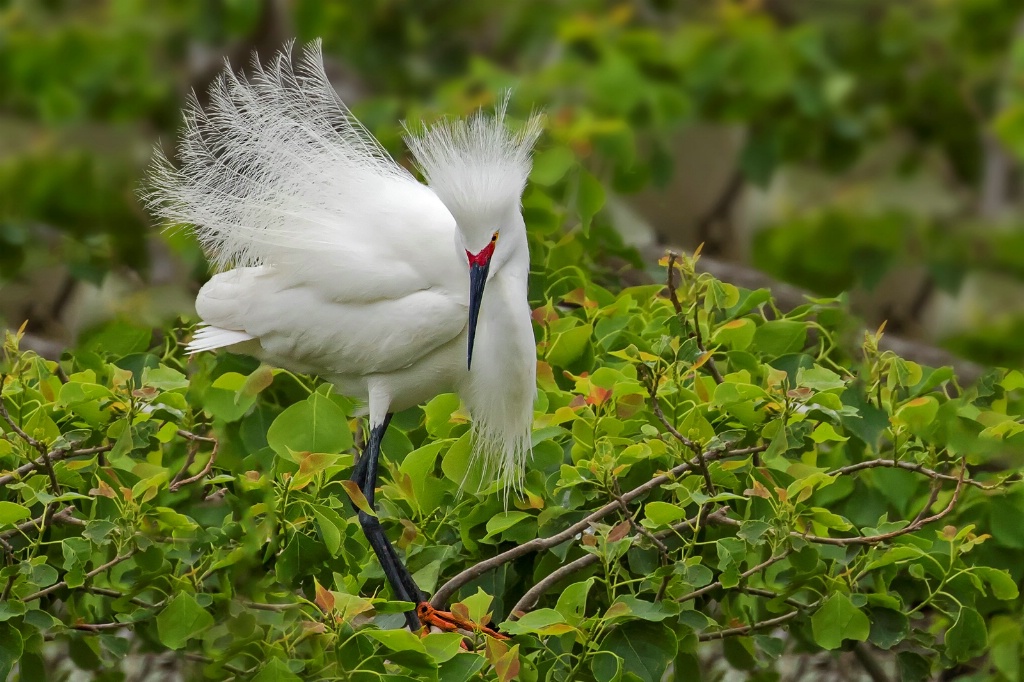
[278, 172]
[302, 327]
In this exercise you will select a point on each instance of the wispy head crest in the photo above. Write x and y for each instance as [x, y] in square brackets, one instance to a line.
[477, 166]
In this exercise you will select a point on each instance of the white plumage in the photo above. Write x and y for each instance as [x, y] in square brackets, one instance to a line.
[338, 261]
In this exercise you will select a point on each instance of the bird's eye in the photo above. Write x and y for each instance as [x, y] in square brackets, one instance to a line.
[494, 237]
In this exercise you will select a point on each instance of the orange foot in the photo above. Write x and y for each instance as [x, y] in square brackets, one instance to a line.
[447, 621]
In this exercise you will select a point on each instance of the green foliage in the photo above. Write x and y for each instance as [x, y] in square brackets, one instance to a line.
[726, 477]
[721, 470]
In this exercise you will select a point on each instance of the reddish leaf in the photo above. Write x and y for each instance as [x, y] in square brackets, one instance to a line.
[620, 531]
[324, 598]
[357, 497]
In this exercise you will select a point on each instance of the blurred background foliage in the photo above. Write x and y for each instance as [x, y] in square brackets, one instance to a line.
[869, 147]
[872, 147]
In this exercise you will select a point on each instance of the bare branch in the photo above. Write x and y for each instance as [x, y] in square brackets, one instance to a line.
[179, 479]
[910, 466]
[63, 516]
[475, 571]
[53, 456]
[100, 627]
[918, 523]
[529, 600]
[117, 594]
[753, 627]
[743, 576]
[91, 574]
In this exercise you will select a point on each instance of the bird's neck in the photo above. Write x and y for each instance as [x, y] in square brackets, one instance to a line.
[502, 385]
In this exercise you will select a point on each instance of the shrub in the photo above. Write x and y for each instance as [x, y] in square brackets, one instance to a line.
[705, 468]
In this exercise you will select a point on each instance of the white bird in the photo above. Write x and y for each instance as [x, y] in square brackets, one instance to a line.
[336, 261]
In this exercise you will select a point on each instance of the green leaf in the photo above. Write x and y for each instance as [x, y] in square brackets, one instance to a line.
[663, 513]
[838, 619]
[443, 646]
[551, 165]
[917, 414]
[645, 648]
[11, 513]
[276, 670]
[181, 620]
[572, 603]
[163, 377]
[606, 666]
[967, 637]
[316, 424]
[462, 668]
[913, 667]
[780, 337]
[819, 379]
[541, 622]
[330, 524]
[398, 640]
[569, 345]
[499, 523]
[223, 398]
[11, 647]
[642, 609]
[888, 627]
[736, 334]
[357, 497]
[457, 465]
[589, 198]
[825, 432]
[419, 464]
[1002, 584]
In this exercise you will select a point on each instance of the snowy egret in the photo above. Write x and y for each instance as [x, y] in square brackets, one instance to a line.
[335, 260]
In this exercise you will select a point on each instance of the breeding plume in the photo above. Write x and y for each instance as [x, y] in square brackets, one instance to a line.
[335, 260]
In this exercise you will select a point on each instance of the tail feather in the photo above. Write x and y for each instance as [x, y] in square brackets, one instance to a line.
[209, 338]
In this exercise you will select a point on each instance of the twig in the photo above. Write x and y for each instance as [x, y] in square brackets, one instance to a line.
[53, 456]
[671, 286]
[918, 523]
[768, 594]
[637, 528]
[107, 592]
[100, 627]
[746, 629]
[909, 466]
[475, 571]
[652, 391]
[743, 576]
[753, 627]
[179, 479]
[5, 415]
[640, 530]
[270, 607]
[234, 670]
[91, 574]
[63, 516]
[529, 600]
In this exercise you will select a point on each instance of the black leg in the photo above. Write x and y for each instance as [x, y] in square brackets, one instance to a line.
[365, 476]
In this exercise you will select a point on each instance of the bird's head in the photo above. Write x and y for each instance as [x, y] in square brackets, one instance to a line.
[478, 168]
